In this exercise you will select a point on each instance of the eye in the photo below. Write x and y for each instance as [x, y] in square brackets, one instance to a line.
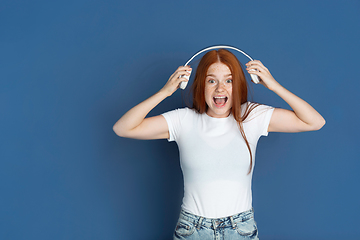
[229, 81]
[211, 81]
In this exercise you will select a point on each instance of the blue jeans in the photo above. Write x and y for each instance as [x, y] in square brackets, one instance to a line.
[193, 227]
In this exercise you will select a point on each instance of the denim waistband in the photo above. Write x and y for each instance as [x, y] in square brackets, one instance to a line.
[214, 223]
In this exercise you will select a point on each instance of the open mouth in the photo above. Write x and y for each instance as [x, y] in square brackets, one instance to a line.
[220, 101]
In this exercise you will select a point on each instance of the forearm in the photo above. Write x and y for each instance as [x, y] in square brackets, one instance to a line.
[304, 111]
[137, 114]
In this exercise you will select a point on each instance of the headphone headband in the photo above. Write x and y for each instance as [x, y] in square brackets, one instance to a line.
[217, 46]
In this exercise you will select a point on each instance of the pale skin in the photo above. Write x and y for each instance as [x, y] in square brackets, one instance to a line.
[218, 83]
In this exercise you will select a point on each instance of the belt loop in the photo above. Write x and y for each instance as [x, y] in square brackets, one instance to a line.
[232, 222]
[213, 224]
[199, 223]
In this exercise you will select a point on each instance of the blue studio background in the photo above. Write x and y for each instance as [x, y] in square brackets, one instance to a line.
[70, 69]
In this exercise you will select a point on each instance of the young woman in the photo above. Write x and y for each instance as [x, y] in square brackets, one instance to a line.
[217, 140]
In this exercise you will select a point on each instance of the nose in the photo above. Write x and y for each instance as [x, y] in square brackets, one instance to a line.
[220, 87]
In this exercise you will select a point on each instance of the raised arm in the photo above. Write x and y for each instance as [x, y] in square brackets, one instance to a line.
[302, 118]
[134, 123]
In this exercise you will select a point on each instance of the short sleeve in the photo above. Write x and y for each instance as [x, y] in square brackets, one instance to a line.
[174, 120]
[268, 111]
[260, 117]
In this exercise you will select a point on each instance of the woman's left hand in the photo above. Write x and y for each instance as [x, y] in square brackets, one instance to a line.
[256, 67]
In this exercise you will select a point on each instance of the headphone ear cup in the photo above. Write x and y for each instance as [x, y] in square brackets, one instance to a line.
[184, 84]
[255, 78]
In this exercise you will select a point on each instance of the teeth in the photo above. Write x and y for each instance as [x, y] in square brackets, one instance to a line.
[220, 97]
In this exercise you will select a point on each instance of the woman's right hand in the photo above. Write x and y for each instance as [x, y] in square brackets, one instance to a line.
[174, 81]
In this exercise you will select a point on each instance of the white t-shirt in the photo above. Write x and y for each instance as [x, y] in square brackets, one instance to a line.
[215, 160]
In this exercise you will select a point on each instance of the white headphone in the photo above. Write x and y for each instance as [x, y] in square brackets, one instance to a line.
[254, 77]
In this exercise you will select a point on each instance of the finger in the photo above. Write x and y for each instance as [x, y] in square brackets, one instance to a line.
[180, 77]
[254, 69]
[186, 68]
[257, 67]
[180, 73]
[260, 75]
[255, 61]
[183, 80]
[257, 64]
[252, 62]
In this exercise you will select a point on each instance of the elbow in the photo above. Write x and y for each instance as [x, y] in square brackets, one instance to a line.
[319, 124]
[118, 131]
[115, 130]
[121, 132]
[322, 123]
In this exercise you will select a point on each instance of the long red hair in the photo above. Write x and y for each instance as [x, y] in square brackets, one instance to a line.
[239, 88]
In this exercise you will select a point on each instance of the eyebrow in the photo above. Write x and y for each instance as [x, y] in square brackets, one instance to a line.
[212, 75]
